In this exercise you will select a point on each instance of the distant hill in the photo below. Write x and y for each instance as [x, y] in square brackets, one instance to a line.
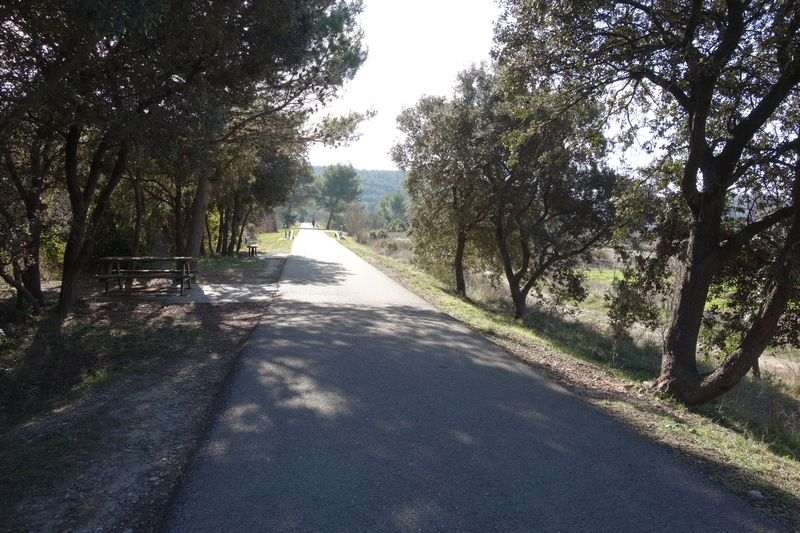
[375, 184]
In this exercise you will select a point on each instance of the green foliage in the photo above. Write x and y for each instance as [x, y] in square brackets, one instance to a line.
[716, 88]
[337, 187]
[510, 170]
[392, 212]
[375, 185]
[123, 124]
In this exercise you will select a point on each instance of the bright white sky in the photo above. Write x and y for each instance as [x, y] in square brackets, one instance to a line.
[416, 48]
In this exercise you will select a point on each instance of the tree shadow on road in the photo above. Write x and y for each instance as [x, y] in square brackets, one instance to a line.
[302, 270]
[401, 418]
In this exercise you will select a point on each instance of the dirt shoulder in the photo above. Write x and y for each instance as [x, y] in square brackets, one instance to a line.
[107, 451]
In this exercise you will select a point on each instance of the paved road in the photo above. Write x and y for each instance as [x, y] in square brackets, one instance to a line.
[358, 407]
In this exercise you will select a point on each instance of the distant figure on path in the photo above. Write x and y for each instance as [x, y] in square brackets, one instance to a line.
[313, 222]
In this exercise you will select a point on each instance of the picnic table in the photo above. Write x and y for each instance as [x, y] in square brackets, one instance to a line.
[178, 268]
[252, 250]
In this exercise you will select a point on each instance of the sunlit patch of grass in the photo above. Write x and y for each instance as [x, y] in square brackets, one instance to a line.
[274, 242]
[241, 268]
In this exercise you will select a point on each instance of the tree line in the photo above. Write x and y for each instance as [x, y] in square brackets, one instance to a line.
[512, 174]
[138, 126]
[337, 194]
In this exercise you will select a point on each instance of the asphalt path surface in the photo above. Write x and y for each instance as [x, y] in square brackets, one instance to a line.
[359, 407]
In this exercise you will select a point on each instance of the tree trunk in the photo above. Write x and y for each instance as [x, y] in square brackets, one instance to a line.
[198, 217]
[83, 225]
[178, 215]
[31, 196]
[519, 294]
[138, 197]
[22, 292]
[520, 300]
[224, 230]
[31, 272]
[679, 376]
[208, 233]
[138, 194]
[220, 230]
[330, 217]
[72, 265]
[234, 229]
[31, 275]
[242, 228]
[458, 264]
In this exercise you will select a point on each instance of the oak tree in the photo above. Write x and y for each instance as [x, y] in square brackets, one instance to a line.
[717, 84]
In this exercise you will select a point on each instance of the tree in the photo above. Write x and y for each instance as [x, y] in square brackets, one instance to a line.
[252, 187]
[444, 173]
[28, 155]
[717, 84]
[500, 165]
[356, 221]
[392, 212]
[552, 198]
[100, 76]
[338, 186]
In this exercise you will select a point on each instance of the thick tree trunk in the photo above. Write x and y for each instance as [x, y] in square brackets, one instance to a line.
[198, 218]
[22, 292]
[519, 294]
[679, 375]
[30, 193]
[520, 300]
[458, 264]
[31, 275]
[83, 225]
[330, 217]
[73, 259]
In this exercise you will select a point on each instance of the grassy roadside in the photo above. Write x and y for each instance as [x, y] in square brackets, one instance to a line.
[241, 268]
[271, 243]
[763, 470]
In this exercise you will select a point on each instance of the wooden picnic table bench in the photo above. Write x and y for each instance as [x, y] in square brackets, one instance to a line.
[252, 250]
[125, 268]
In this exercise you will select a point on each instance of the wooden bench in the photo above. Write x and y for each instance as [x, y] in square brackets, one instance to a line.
[121, 269]
[252, 250]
